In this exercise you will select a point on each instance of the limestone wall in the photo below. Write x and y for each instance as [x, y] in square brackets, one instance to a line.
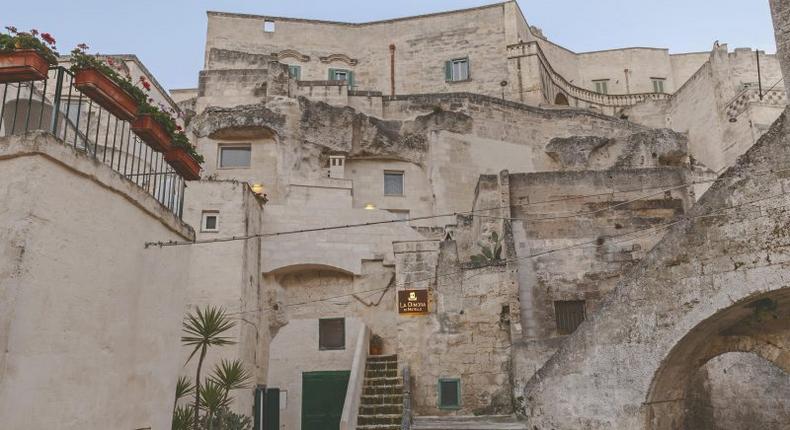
[89, 318]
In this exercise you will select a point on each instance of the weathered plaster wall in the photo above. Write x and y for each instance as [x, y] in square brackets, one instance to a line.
[89, 318]
[780, 11]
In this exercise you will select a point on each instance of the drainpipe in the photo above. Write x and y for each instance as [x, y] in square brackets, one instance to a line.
[627, 82]
[392, 69]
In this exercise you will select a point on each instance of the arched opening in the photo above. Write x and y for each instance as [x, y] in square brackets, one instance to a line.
[759, 325]
[561, 100]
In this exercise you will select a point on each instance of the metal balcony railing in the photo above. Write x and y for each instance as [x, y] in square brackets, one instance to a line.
[54, 105]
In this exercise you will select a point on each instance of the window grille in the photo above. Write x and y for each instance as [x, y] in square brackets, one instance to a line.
[569, 314]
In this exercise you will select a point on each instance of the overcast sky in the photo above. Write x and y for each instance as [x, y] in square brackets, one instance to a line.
[169, 35]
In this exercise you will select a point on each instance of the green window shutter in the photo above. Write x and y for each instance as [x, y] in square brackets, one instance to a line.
[448, 70]
[331, 74]
[468, 69]
[350, 79]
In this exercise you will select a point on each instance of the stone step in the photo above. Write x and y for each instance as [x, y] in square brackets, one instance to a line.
[379, 419]
[368, 410]
[381, 365]
[382, 389]
[490, 422]
[383, 358]
[370, 382]
[384, 373]
[392, 399]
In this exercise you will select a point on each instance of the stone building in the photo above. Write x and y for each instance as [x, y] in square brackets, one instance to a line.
[356, 171]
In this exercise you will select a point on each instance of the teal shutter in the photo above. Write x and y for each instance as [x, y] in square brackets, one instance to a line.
[331, 74]
[448, 70]
[350, 79]
[468, 69]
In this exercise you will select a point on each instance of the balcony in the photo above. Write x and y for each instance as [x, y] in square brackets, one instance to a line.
[54, 105]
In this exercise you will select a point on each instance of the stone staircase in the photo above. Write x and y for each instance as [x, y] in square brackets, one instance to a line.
[381, 407]
[492, 422]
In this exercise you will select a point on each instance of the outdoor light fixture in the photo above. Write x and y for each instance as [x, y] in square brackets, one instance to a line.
[370, 207]
[257, 188]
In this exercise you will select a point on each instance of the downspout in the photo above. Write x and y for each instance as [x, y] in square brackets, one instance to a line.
[392, 69]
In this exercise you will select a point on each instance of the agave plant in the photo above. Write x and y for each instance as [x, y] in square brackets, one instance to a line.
[490, 252]
[203, 329]
[183, 419]
[230, 375]
[213, 397]
[184, 388]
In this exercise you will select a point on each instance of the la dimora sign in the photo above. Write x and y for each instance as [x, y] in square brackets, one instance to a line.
[413, 302]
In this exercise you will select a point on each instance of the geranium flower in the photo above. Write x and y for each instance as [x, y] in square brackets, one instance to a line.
[83, 46]
[11, 29]
[48, 38]
[34, 32]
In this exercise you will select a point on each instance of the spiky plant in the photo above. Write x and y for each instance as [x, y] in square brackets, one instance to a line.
[490, 252]
[183, 419]
[230, 375]
[205, 328]
[213, 397]
[184, 388]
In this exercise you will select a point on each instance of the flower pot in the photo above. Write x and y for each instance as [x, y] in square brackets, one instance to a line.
[376, 350]
[183, 163]
[106, 93]
[22, 65]
[152, 133]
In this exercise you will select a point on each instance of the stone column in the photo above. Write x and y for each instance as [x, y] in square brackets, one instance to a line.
[780, 11]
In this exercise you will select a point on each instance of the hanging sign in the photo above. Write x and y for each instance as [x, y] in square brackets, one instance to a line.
[413, 302]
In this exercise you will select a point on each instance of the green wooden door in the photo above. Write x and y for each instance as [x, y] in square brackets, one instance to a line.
[323, 394]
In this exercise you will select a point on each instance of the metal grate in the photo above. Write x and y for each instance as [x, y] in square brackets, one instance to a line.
[569, 314]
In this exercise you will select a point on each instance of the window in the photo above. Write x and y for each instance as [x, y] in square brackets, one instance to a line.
[456, 70]
[658, 85]
[449, 393]
[342, 75]
[234, 156]
[268, 26]
[393, 183]
[331, 333]
[209, 221]
[295, 72]
[601, 86]
[569, 314]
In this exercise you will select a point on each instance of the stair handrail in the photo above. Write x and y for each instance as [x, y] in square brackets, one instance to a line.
[407, 416]
[356, 380]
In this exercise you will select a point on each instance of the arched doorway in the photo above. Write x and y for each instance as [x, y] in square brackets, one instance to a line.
[760, 326]
[561, 100]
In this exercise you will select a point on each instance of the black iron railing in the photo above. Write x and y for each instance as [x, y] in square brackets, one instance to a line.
[56, 106]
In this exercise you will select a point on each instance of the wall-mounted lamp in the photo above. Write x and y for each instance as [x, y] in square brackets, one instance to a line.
[257, 188]
[370, 207]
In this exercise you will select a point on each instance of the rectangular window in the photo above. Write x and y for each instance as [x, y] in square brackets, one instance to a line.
[658, 85]
[602, 86]
[331, 333]
[295, 72]
[569, 314]
[268, 26]
[209, 221]
[449, 393]
[457, 69]
[393, 183]
[236, 156]
[342, 75]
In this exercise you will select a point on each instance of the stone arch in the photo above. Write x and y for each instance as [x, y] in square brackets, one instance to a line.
[747, 326]
[561, 100]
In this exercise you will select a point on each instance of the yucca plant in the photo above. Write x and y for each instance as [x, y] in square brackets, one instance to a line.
[230, 375]
[204, 328]
[183, 419]
[184, 388]
[490, 252]
[213, 397]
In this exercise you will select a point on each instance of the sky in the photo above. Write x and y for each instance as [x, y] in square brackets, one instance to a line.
[169, 35]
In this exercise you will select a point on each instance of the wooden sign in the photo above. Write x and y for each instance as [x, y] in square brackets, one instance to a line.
[413, 302]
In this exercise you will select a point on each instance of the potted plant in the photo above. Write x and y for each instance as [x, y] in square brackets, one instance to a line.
[154, 125]
[26, 56]
[184, 157]
[104, 84]
[376, 345]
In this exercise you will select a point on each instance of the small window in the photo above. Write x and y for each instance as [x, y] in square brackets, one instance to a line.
[234, 156]
[569, 314]
[393, 183]
[449, 393]
[602, 86]
[658, 85]
[457, 70]
[209, 221]
[342, 75]
[331, 333]
[268, 26]
[295, 72]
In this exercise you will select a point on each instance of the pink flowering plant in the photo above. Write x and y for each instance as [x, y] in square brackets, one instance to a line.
[43, 43]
